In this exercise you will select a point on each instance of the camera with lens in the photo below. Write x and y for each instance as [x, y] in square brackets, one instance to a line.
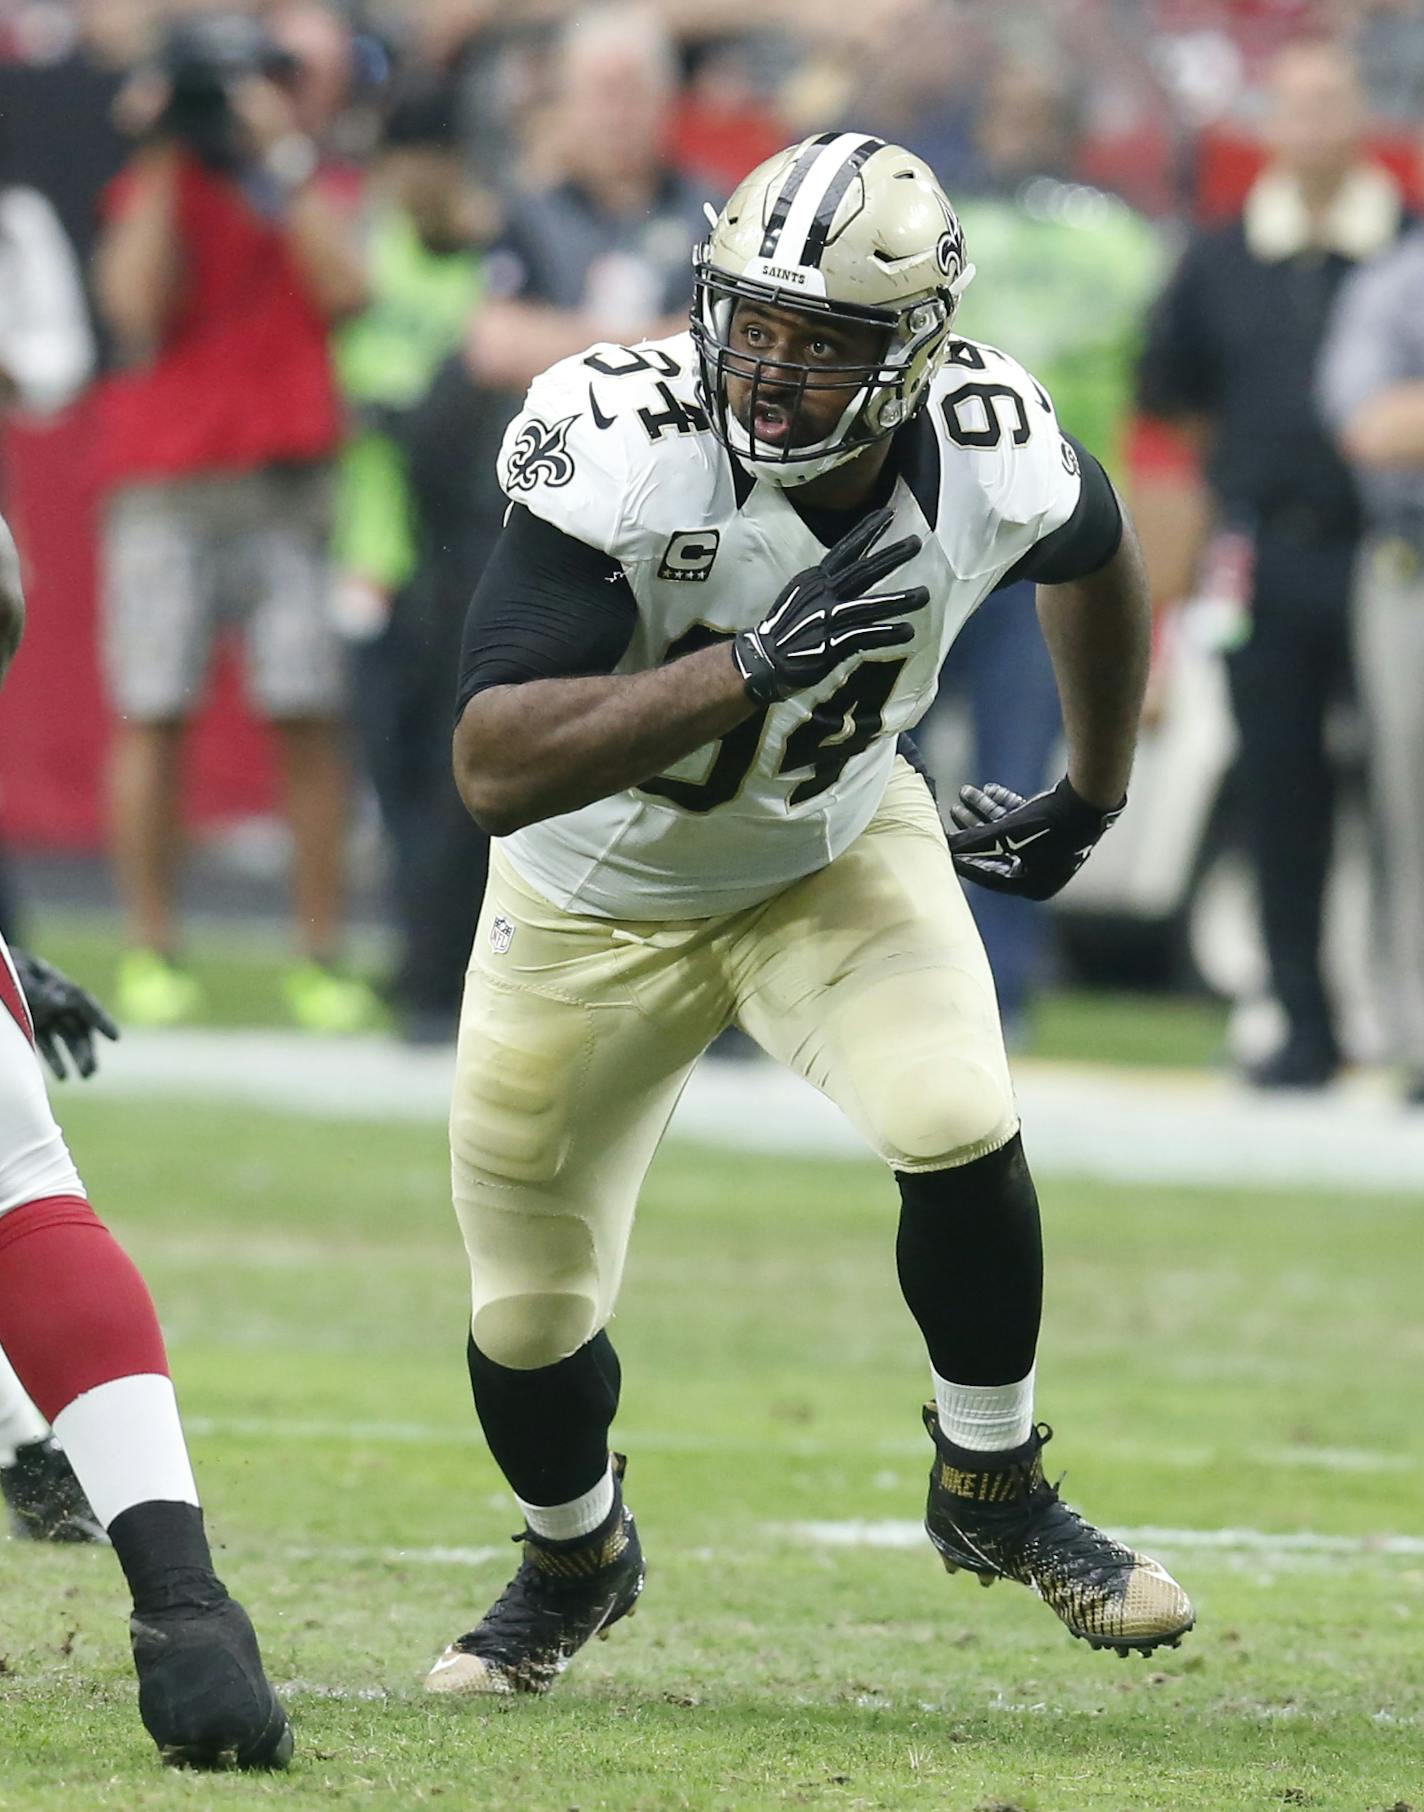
[204, 60]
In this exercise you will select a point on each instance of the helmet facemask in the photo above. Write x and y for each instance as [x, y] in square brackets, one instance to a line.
[881, 396]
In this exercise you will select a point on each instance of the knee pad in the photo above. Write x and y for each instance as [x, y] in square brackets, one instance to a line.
[535, 1285]
[921, 1057]
[935, 1112]
[525, 1333]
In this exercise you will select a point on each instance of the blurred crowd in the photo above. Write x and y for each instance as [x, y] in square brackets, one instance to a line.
[281, 273]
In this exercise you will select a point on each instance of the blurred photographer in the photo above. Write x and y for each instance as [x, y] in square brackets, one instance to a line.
[220, 268]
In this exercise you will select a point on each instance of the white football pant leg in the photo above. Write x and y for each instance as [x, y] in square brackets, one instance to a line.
[869, 979]
[577, 1036]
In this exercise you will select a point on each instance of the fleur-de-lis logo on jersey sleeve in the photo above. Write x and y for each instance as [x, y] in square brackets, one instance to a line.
[539, 455]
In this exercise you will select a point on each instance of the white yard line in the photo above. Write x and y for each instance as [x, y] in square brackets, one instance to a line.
[895, 1533]
[1339, 1459]
[1271, 1549]
[1263, 1541]
[418, 1557]
[789, 1446]
[1124, 1125]
[375, 1434]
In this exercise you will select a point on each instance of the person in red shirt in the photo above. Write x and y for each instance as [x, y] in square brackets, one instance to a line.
[220, 267]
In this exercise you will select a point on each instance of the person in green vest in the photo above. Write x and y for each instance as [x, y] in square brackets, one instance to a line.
[424, 237]
[1066, 274]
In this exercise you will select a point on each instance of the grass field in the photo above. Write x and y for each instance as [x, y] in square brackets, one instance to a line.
[1213, 1362]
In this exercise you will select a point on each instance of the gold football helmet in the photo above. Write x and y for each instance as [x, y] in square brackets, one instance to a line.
[842, 225]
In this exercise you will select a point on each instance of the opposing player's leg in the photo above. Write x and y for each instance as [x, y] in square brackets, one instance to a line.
[870, 980]
[577, 1036]
[21, 1424]
[79, 1328]
[44, 1500]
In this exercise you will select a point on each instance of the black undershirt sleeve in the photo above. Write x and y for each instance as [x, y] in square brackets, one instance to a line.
[547, 607]
[1083, 544]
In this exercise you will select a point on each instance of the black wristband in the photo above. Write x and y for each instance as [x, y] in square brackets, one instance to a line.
[1092, 817]
[759, 677]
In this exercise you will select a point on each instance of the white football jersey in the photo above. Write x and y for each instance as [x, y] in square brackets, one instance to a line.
[613, 448]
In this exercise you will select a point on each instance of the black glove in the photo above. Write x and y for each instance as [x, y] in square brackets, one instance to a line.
[823, 616]
[1025, 846]
[64, 1015]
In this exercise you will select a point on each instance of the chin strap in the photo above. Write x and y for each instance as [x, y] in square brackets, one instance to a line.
[789, 473]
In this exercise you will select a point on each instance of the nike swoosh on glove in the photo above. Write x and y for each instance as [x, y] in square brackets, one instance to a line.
[65, 1016]
[823, 617]
[1031, 847]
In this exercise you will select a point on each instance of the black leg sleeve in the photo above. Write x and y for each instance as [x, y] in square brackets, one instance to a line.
[548, 1428]
[970, 1257]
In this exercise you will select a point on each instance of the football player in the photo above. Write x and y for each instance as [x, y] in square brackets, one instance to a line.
[732, 568]
[44, 1499]
[79, 1330]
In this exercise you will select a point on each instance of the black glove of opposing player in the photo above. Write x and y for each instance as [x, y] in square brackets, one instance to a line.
[65, 1016]
[823, 616]
[1025, 846]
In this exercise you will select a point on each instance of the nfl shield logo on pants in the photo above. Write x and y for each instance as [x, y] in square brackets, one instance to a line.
[501, 934]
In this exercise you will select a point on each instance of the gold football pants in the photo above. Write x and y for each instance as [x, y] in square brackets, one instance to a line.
[578, 1034]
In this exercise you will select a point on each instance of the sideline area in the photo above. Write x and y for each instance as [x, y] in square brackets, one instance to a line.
[1094, 1120]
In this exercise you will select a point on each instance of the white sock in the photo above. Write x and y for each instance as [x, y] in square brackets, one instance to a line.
[126, 1445]
[20, 1421]
[989, 1418]
[566, 1522]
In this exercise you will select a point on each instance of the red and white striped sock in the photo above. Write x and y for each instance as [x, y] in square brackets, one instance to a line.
[80, 1329]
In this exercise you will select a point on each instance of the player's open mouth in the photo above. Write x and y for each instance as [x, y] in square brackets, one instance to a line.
[771, 422]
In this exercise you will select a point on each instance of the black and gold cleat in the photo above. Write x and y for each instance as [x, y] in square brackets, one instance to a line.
[45, 1500]
[564, 1594]
[996, 1516]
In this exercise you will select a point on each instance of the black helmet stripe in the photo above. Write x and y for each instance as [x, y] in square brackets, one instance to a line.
[794, 179]
[820, 228]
